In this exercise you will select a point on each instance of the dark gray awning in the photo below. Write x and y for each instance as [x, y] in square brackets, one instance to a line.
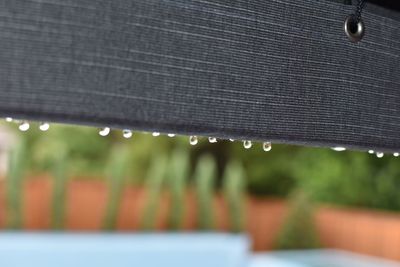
[277, 70]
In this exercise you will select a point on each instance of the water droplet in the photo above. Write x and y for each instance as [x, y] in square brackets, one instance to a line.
[127, 133]
[8, 119]
[212, 140]
[24, 126]
[396, 154]
[267, 146]
[371, 151]
[339, 149]
[247, 144]
[44, 126]
[380, 154]
[171, 135]
[155, 134]
[105, 131]
[193, 140]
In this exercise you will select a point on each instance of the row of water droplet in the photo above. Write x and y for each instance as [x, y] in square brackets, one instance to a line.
[372, 152]
[193, 140]
[25, 126]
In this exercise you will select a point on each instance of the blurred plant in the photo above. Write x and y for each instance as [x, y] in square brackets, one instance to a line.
[347, 178]
[268, 173]
[341, 178]
[298, 231]
[142, 150]
[234, 188]
[60, 175]
[385, 185]
[14, 185]
[204, 176]
[176, 178]
[153, 184]
[116, 173]
[87, 151]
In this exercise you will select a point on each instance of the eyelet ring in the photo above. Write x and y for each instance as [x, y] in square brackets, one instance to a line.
[353, 29]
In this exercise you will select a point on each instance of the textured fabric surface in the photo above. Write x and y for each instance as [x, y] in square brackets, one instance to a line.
[276, 70]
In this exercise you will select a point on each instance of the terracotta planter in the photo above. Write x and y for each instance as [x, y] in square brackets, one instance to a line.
[363, 231]
[369, 232]
[36, 204]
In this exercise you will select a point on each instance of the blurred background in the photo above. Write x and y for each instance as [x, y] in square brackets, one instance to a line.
[71, 179]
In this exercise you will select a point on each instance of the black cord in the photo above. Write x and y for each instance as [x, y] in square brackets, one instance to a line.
[360, 6]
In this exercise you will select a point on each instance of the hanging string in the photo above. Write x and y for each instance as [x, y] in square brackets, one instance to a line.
[359, 8]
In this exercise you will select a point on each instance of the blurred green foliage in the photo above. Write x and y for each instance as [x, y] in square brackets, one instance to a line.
[87, 152]
[60, 178]
[268, 173]
[14, 186]
[349, 178]
[153, 185]
[204, 178]
[177, 174]
[116, 174]
[234, 189]
[345, 178]
[298, 231]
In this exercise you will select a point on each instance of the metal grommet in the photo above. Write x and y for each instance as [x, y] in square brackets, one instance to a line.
[354, 29]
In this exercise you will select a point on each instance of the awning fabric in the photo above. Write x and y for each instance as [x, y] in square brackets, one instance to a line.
[277, 70]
